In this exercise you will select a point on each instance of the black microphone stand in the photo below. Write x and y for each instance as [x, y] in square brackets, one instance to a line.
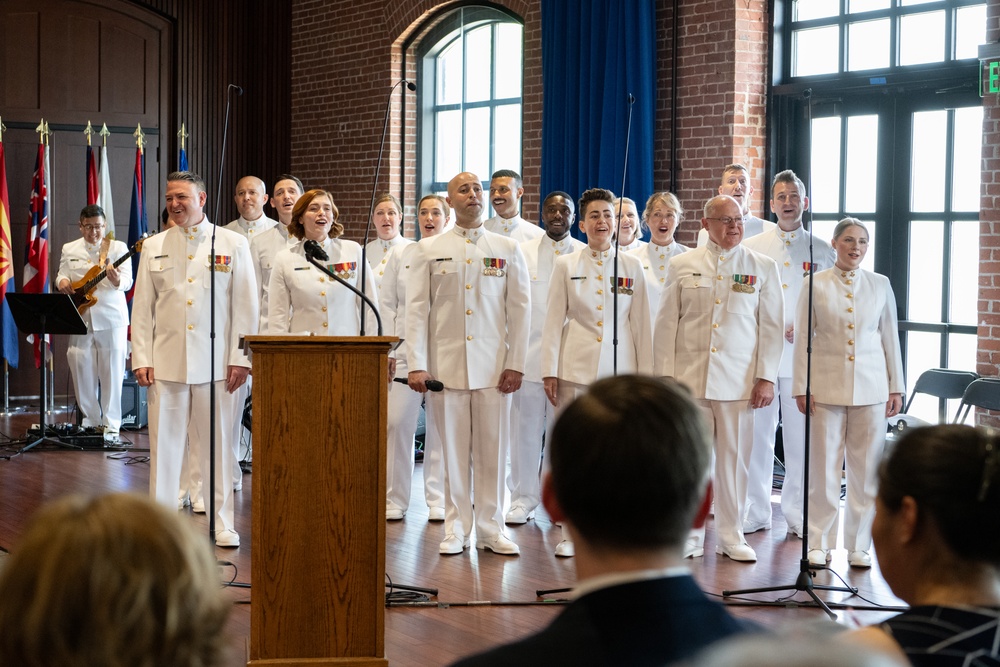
[804, 580]
[371, 207]
[618, 229]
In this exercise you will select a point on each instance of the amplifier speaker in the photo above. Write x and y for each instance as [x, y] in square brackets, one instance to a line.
[135, 414]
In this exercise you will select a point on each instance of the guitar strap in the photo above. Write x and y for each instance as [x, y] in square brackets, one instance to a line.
[105, 246]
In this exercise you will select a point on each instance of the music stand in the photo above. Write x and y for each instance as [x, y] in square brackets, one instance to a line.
[48, 314]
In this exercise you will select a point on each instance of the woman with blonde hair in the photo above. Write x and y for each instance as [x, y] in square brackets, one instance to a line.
[113, 580]
[387, 218]
[302, 299]
[662, 215]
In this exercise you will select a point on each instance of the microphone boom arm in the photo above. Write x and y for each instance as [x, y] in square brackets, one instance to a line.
[378, 318]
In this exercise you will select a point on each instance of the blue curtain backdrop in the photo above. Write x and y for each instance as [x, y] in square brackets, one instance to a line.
[594, 53]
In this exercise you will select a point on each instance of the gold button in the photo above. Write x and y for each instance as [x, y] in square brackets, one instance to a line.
[718, 278]
[715, 325]
[190, 327]
[600, 277]
[850, 342]
[557, 252]
[190, 280]
[468, 286]
[713, 349]
[322, 280]
[323, 293]
[381, 273]
[718, 301]
[663, 280]
[468, 338]
[663, 257]
[850, 310]
[600, 291]
[661, 267]
[850, 358]
[600, 263]
[468, 312]
[787, 263]
[534, 277]
[784, 286]
[600, 323]
[600, 306]
[788, 243]
[324, 309]
[468, 261]
[600, 339]
[850, 282]
[850, 295]
[325, 325]
[384, 261]
[190, 256]
[850, 326]
[468, 240]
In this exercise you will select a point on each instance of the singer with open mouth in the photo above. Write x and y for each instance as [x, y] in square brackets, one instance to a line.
[301, 299]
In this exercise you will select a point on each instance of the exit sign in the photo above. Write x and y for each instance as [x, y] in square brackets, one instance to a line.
[989, 77]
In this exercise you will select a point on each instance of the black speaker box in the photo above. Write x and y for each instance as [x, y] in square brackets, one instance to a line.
[135, 414]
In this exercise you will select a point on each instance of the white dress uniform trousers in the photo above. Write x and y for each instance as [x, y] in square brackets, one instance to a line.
[531, 415]
[98, 356]
[857, 360]
[719, 330]
[467, 320]
[171, 326]
[791, 251]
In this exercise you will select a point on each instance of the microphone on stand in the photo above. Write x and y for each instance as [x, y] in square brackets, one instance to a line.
[315, 254]
[378, 164]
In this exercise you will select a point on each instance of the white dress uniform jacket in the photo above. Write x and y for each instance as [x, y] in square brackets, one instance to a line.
[304, 301]
[855, 339]
[655, 259]
[577, 340]
[263, 249]
[171, 311]
[465, 321]
[716, 339]
[250, 229]
[752, 226]
[636, 245]
[110, 311]
[378, 252]
[516, 228]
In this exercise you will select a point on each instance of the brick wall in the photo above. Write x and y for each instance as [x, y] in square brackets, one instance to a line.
[988, 361]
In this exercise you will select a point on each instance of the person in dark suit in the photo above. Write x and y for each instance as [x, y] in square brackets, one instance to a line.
[635, 602]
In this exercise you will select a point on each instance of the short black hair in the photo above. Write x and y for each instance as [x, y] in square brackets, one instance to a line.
[92, 211]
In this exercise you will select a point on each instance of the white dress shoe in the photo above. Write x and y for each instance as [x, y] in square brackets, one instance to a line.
[859, 559]
[518, 515]
[183, 502]
[796, 531]
[452, 545]
[435, 514]
[819, 556]
[198, 506]
[740, 552]
[227, 538]
[394, 514]
[753, 526]
[565, 549]
[693, 548]
[238, 485]
[500, 544]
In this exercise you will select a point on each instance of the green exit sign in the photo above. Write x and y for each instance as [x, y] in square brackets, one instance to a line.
[989, 78]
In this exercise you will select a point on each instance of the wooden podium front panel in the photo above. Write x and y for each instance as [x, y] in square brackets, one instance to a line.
[319, 407]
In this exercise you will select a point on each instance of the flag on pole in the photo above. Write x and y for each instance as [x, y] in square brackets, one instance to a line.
[137, 215]
[8, 331]
[104, 193]
[92, 188]
[36, 256]
[182, 159]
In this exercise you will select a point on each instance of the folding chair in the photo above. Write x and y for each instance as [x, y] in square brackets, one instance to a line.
[982, 393]
[941, 383]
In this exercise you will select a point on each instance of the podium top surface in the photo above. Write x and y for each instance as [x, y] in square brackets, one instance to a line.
[381, 343]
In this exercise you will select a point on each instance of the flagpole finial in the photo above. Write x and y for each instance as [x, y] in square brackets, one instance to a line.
[182, 134]
[105, 133]
[89, 132]
[3, 128]
[140, 137]
[41, 131]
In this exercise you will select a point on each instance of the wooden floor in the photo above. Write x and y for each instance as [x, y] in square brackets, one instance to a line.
[483, 599]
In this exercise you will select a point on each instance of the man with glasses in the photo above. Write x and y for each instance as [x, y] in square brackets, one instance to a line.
[719, 331]
[97, 358]
[736, 183]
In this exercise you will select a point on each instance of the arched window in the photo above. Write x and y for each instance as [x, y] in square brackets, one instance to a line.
[469, 107]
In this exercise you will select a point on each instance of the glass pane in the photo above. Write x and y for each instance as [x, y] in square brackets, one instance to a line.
[803, 10]
[449, 74]
[923, 351]
[479, 50]
[913, 3]
[966, 173]
[868, 45]
[825, 165]
[824, 230]
[862, 159]
[970, 31]
[927, 164]
[815, 51]
[857, 6]
[507, 138]
[921, 38]
[508, 61]
[924, 284]
[477, 142]
[447, 145]
[964, 272]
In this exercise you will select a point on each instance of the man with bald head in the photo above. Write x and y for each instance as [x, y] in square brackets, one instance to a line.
[719, 331]
[467, 323]
[250, 197]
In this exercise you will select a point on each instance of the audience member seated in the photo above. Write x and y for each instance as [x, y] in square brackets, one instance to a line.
[114, 580]
[629, 478]
[796, 646]
[937, 540]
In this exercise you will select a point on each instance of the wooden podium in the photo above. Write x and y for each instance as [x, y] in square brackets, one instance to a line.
[318, 556]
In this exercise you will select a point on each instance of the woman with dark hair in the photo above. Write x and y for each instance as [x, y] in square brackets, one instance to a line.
[937, 538]
[302, 299]
[387, 218]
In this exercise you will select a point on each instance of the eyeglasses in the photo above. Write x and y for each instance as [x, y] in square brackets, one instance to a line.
[727, 221]
[92, 228]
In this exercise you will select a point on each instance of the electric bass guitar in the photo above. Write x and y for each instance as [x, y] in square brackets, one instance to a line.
[83, 290]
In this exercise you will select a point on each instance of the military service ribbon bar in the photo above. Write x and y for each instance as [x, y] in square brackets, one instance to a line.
[494, 266]
[744, 283]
